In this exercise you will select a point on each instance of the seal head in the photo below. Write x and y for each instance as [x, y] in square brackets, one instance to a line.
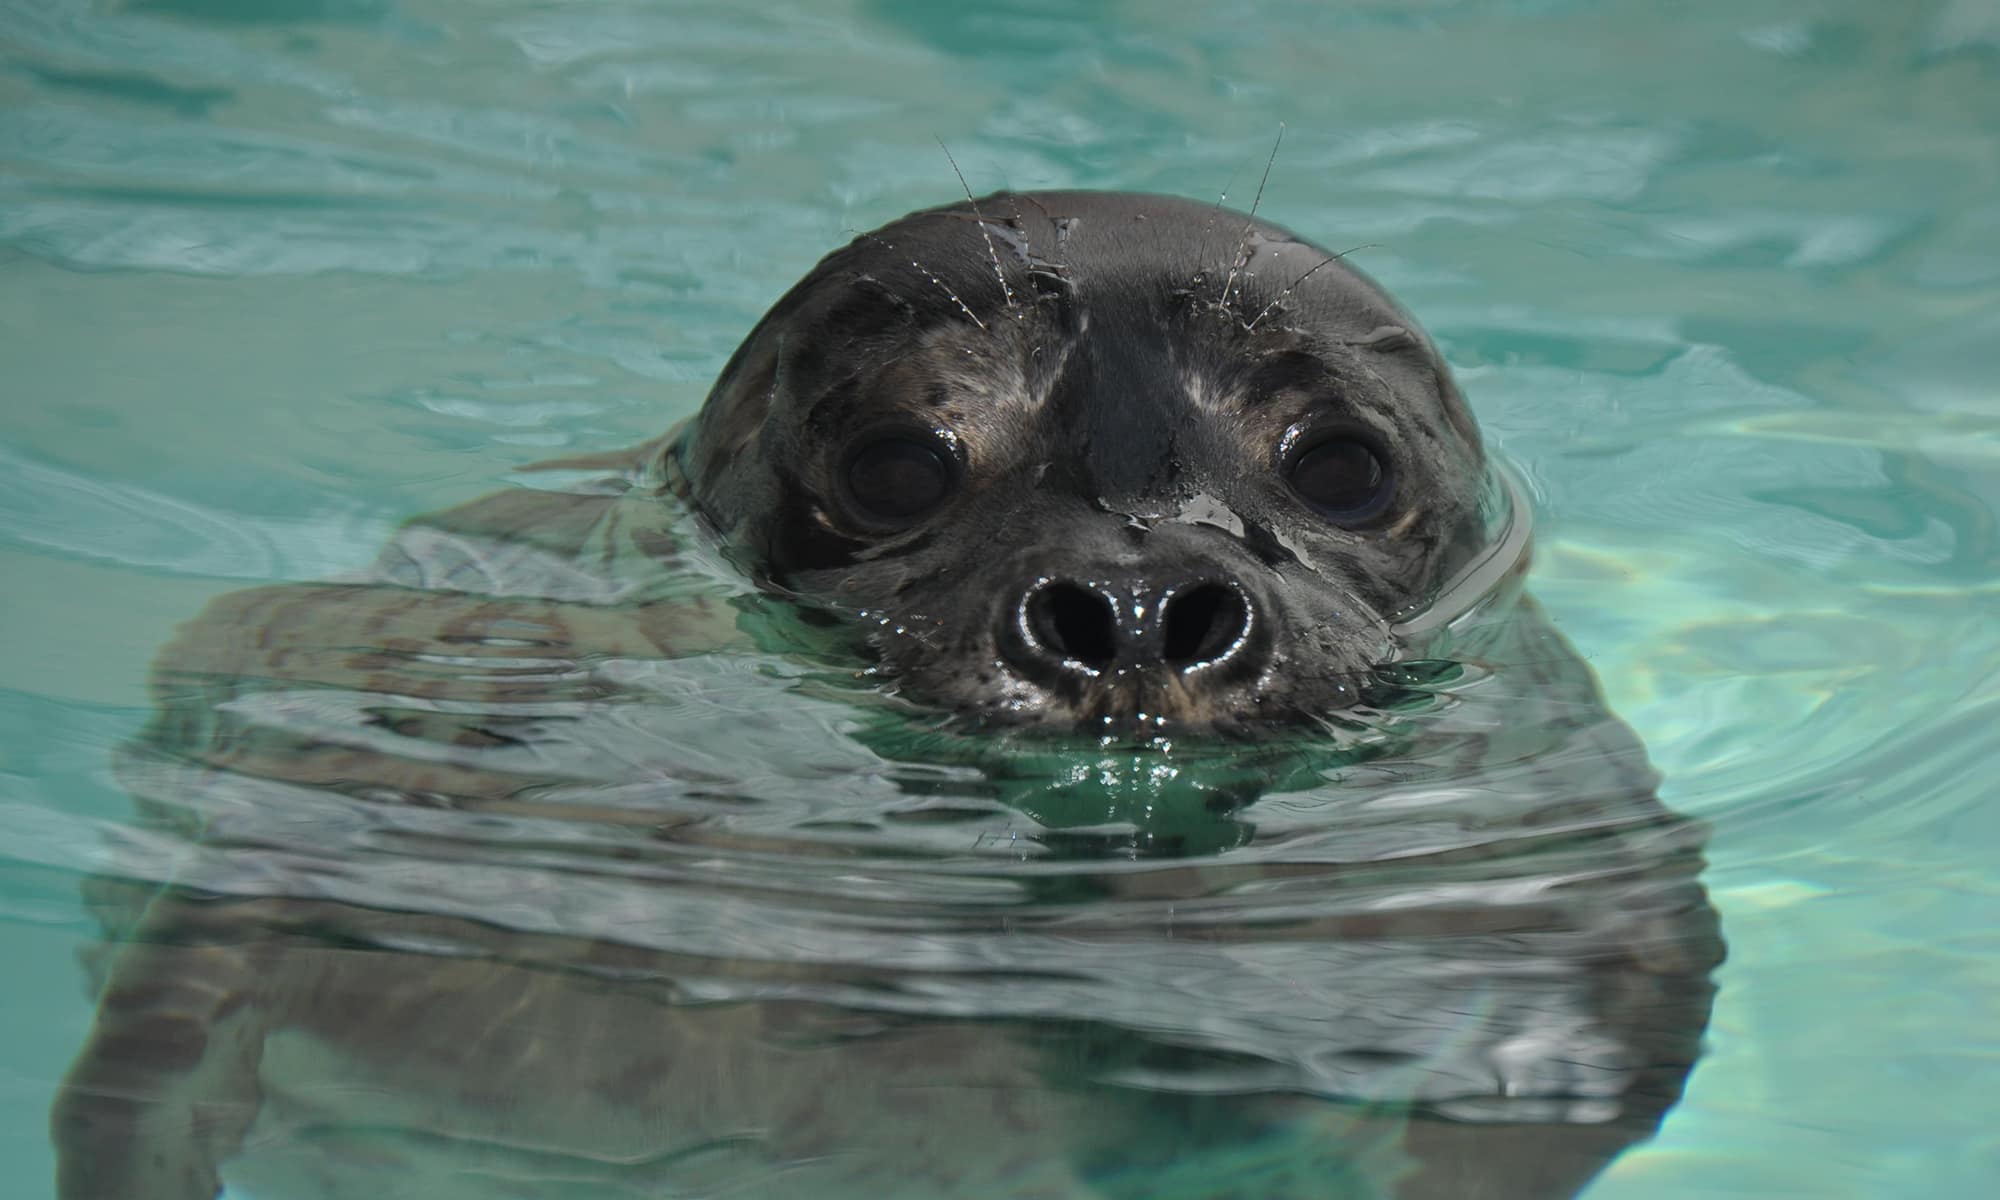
[1098, 459]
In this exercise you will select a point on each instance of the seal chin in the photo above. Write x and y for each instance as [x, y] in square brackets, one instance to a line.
[1140, 701]
[1142, 706]
[1159, 703]
[1241, 694]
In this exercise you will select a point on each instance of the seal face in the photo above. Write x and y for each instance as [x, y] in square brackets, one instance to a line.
[1092, 458]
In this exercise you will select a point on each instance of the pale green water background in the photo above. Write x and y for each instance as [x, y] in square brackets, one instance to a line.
[1723, 278]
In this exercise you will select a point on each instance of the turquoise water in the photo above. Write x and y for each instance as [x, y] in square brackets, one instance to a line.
[1723, 280]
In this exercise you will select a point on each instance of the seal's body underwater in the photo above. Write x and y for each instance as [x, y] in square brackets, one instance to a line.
[447, 895]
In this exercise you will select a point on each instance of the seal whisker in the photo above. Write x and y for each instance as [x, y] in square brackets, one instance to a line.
[927, 273]
[1293, 286]
[1243, 241]
[1251, 325]
[1208, 224]
[992, 251]
[962, 306]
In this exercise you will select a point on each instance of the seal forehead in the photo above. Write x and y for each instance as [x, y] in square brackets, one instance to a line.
[1108, 244]
[1158, 282]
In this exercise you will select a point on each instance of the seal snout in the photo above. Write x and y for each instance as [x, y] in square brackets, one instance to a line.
[1070, 630]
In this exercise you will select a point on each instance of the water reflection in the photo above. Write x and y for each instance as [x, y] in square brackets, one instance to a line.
[546, 860]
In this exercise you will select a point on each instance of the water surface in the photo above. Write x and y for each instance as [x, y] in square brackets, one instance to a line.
[1722, 280]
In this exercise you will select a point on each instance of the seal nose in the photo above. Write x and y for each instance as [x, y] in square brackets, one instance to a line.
[1064, 627]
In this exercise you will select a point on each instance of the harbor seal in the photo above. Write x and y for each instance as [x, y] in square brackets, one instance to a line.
[1063, 721]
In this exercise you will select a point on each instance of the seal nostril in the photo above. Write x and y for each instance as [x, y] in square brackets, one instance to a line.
[1073, 622]
[1203, 622]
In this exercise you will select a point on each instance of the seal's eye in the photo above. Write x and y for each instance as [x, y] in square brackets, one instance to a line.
[892, 480]
[1342, 477]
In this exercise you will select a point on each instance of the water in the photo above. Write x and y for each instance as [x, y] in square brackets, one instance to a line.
[1721, 279]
